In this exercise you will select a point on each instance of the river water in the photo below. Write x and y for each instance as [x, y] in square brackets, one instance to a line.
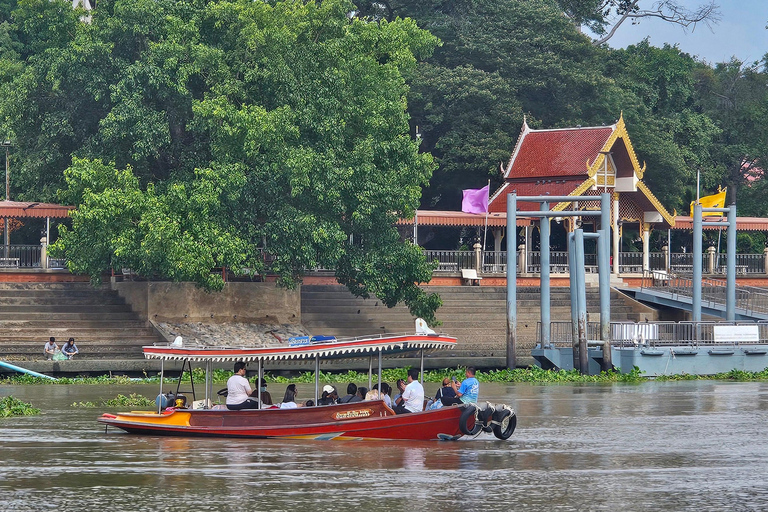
[697, 445]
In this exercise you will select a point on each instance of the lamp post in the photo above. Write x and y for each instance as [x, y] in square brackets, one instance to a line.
[7, 239]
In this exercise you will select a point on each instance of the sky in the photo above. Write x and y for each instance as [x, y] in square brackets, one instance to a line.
[741, 32]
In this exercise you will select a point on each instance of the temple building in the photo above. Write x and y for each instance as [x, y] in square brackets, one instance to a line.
[583, 161]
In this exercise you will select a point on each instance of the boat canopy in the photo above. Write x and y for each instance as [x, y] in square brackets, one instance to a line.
[313, 348]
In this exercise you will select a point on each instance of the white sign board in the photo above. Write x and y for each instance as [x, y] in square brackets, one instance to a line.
[736, 334]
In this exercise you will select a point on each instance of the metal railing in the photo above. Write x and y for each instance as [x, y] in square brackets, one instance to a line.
[451, 261]
[651, 334]
[495, 262]
[749, 299]
[20, 256]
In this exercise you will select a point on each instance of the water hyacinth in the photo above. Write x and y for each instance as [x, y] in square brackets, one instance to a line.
[11, 406]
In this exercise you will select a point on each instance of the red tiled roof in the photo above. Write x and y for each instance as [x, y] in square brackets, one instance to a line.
[543, 187]
[19, 210]
[742, 223]
[550, 153]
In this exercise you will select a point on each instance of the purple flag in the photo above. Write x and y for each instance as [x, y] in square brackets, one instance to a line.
[475, 200]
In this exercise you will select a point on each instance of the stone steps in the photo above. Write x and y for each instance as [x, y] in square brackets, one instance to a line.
[103, 325]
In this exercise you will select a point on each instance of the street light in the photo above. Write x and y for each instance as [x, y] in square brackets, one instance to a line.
[7, 145]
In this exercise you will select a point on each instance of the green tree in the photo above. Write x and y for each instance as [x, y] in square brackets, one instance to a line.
[197, 135]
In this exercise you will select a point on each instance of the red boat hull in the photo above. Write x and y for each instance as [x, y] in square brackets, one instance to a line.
[360, 420]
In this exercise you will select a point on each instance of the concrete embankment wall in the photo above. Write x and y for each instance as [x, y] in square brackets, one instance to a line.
[236, 303]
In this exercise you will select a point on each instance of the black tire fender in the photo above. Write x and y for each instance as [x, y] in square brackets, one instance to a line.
[485, 417]
[507, 424]
[464, 421]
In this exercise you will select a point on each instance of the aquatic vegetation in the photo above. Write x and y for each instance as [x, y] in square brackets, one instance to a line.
[132, 400]
[11, 406]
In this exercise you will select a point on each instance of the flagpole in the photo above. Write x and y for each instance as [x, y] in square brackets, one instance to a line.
[698, 178]
[485, 233]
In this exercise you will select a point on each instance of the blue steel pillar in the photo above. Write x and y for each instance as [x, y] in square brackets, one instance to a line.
[697, 255]
[604, 275]
[581, 297]
[730, 284]
[572, 271]
[544, 276]
[511, 281]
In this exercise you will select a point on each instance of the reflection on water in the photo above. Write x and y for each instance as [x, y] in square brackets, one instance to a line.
[673, 446]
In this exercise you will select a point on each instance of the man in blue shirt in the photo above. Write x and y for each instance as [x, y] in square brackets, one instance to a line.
[469, 389]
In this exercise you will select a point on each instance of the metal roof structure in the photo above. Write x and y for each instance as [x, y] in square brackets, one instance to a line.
[21, 210]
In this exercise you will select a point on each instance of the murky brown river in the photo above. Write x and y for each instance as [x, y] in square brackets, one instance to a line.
[653, 446]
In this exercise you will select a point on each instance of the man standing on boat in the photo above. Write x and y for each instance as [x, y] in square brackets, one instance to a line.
[412, 399]
[238, 390]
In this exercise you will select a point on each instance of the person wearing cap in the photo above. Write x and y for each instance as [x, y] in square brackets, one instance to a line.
[261, 389]
[329, 397]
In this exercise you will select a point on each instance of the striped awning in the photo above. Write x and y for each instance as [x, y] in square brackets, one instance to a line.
[341, 347]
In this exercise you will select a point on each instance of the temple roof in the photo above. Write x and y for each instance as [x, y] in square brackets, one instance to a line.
[556, 153]
[576, 161]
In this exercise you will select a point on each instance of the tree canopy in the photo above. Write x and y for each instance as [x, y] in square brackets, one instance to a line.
[193, 135]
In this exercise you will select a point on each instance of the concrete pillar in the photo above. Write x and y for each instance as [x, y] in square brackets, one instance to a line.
[665, 252]
[616, 234]
[711, 256]
[765, 260]
[478, 257]
[523, 258]
[646, 245]
[44, 253]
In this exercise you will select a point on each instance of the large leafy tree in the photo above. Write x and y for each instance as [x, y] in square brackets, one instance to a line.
[735, 95]
[499, 59]
[194, 135]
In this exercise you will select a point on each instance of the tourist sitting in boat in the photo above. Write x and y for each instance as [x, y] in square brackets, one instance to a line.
[468, 391]
[261, 389]
[373, 394]
[445, 394]
[329, 396]
[289, 399]
[351, 395]
[70, 349]
[361, 393]
[238, 390]
[386, 391]
[412, 399]
[400, 384]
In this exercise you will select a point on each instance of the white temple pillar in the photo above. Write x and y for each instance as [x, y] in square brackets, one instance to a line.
[646, 245]
[616, 235]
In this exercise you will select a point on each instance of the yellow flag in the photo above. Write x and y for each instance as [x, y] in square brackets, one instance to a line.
[713, 201]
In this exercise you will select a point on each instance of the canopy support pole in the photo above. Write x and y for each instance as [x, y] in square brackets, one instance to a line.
[421, 369]
[258, 382]
[317, 377]
[370, 372]
[160, 401]
[379, 379]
